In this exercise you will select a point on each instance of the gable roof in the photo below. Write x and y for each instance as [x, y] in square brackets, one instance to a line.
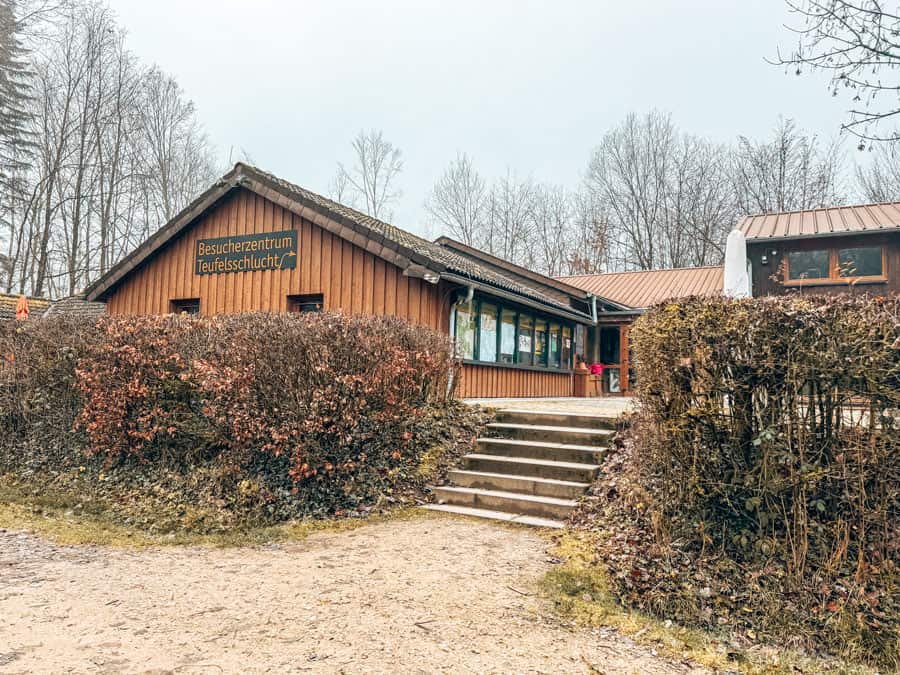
[402, 248]
[548, 284]
[76, 305]
[838, 220]
[642, 289]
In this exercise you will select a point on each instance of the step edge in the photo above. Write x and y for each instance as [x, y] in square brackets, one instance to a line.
[540, 444]
[545, 481]
[549, 427]
[489, 514]
[535, 462]
[537, 499]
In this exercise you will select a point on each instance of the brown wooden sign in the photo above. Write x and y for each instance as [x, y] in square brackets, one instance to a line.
[247, 253]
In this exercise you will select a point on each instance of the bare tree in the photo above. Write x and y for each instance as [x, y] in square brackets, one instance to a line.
[552, 233]
[791, 171]
[117, 151]
[858, 43]
[879, 180]
[373, 174]
[509, 220]
[457, 201]
[588, 250]
[663, 194]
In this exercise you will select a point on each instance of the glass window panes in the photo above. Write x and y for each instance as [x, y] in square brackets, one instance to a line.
[808, 264]
[864, 261]
[540, 342]
[526, 327]
[465, 331]
[508, 336]
[610, 345]
[487, 333]
[566, 347]
[553, 347]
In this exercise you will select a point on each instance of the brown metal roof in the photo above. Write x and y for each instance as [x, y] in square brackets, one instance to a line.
[643, 289]
[822, 222]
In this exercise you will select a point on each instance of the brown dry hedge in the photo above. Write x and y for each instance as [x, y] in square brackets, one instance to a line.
[765, 470]
[299, 414]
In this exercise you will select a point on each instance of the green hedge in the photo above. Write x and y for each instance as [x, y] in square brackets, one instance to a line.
[768, 439]
[299, 414]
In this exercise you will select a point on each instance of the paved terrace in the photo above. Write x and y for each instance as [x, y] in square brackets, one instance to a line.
[603, 407]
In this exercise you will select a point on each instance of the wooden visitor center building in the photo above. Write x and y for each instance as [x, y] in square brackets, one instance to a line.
[254, 242]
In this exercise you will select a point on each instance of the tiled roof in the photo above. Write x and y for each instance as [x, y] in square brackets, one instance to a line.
[76, 305]
[643, 289]
[822, 222]
[380, 234]
[443, 256]
[36, 306]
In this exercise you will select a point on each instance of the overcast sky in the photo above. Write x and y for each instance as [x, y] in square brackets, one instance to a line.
[529, 86]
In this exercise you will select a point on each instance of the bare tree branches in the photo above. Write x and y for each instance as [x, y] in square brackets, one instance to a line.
[373, 174]
[879, 181]
[858, 43]
[457, 201]
[666, 195]
[791, 171]
[117, 152]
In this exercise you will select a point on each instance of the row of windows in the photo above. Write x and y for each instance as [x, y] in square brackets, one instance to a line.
[836, 264]
[491, 333]
[295, 303]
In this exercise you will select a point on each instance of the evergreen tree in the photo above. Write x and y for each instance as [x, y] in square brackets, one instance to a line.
[15, 139]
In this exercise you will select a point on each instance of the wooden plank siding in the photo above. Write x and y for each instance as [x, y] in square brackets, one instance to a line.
[350, 278]
[776, 250]
[499, 382]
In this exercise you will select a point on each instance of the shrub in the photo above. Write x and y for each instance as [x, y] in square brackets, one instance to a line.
[767, 455]
[276, 414]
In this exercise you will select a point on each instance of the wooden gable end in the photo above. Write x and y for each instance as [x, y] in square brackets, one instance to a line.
[349, 277]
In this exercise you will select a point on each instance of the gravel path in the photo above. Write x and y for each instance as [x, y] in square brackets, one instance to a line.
[430, 595]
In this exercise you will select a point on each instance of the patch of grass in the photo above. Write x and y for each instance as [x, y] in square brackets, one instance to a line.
[579, 590]
[54, 515]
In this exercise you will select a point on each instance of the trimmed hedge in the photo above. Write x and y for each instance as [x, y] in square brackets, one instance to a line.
[765, 469]
[285, 414]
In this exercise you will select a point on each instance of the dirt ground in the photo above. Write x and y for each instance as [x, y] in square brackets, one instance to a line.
[428, 595]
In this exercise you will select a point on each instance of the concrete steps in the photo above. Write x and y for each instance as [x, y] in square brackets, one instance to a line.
[543, 487]
[531, 468]
[551, 434]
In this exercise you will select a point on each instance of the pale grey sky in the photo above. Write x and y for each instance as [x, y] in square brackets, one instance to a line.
[531, 86]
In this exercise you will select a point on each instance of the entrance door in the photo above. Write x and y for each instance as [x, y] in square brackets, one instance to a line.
[613, 354]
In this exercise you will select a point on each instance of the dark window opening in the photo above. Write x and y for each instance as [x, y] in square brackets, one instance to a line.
[808, 265]
[185, 306]
[610, 345]
[306, 303]
[864, 261]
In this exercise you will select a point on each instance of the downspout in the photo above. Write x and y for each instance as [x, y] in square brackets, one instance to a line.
[594, 308]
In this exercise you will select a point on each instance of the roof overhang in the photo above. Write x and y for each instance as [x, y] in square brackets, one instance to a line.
[519, 299]
[824, 235]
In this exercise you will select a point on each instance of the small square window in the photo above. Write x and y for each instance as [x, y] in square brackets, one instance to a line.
[185, 306]
[306, 303]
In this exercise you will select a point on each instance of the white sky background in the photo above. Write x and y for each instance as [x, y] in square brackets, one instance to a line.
[529, 86]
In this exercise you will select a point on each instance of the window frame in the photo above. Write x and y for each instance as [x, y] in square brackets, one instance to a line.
[834, 277]
[517, 312]
[296, 303]
[178, 305]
